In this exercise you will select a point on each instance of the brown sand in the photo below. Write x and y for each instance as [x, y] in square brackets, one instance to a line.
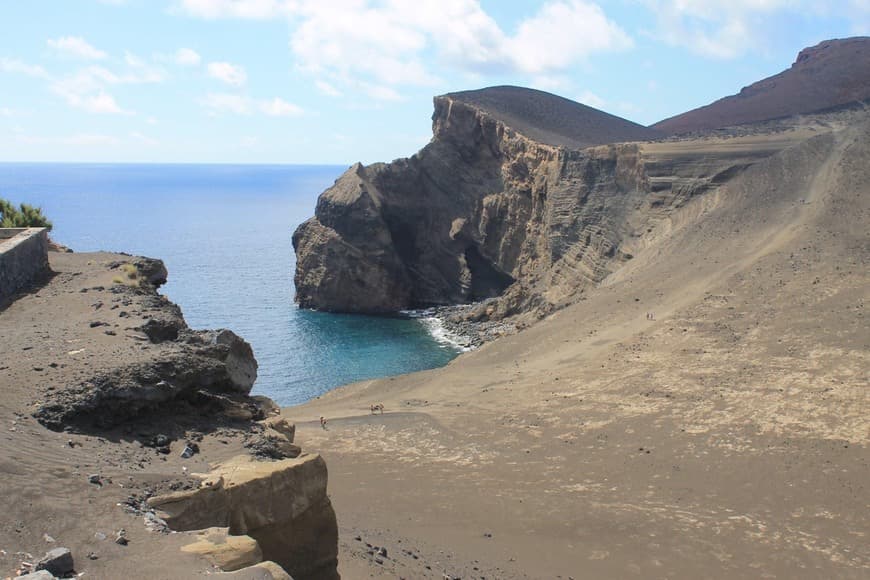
[726, 438]
[48, 343]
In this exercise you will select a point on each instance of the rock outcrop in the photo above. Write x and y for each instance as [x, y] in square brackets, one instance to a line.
[282, 505]
[486, 211]
[211, 370]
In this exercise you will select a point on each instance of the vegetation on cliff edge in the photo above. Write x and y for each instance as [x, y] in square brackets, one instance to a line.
[25, 216]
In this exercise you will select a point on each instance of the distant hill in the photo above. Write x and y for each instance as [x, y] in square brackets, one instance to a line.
[830, 74]
[552, 119]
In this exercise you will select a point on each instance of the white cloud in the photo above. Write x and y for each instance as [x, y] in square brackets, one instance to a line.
[12, 65]
[327, 89]
[551, 82]
[726, 29]
[249, 142]
[142, 72]
[562, 34]
[101, 102]
[228, 103]
[217, 103]
[280, 108]
[378, 45]
[381, 93]
[227, 73]
[187, 57]
[76, 47]
[589, 98]
[247, 9]
[86, 88]
[78, 140]
[6, 112]
[143, 139]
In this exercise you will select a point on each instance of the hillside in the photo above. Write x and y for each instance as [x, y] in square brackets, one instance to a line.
[551, 119]
[687, 393]
[830, 74]
[700, 412]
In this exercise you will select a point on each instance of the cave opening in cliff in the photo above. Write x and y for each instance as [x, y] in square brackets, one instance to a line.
[487, 280]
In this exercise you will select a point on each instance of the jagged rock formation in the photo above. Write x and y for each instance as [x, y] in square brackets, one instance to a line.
[528, 197]
[830, 74]
[141, 398]
[484, 210]
[282, 505]
[209, 370]
[462, 220]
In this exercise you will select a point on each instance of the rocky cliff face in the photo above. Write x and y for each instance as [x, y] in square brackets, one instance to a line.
[483, 211]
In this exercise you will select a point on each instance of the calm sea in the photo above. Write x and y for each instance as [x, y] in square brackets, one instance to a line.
[224, 233]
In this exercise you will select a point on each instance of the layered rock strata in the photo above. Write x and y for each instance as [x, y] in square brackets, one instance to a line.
[282, 505]
[485, 211]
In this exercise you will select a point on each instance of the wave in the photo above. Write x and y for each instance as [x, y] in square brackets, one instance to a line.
[436, 328]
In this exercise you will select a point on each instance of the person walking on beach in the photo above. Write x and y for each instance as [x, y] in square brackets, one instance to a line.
[323, 422]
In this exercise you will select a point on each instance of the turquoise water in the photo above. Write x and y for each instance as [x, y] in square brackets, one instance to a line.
[224, 233]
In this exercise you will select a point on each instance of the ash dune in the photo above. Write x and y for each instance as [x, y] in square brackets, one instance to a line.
[551, 119]
[831, 74]
[692, 401]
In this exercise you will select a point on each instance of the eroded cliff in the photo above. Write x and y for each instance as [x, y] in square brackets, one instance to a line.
[486, 211]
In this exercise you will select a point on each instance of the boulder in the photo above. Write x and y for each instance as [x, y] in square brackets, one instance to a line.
[281, 504]
[227, 552]
[58, 561]
[263, 571]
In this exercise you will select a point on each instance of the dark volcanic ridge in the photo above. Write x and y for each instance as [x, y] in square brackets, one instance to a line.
[551, 119]
[830, 74]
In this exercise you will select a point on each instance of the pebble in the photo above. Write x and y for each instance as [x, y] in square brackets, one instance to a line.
[121, 537]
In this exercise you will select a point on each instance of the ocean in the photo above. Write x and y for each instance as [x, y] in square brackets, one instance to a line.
[224, 232]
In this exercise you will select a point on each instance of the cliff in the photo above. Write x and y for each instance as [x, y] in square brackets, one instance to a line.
[484, 210]
[109, 400]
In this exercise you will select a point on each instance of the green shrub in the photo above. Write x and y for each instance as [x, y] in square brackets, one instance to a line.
[25, 216]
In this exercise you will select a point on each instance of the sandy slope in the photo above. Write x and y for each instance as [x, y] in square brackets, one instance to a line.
[726, 438]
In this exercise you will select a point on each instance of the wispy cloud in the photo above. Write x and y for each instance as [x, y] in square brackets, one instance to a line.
[327, 89]
[589, 98]
[187, 57]
[217, 103]
[11, 65]
[100, 102]
[76, 47]
[727, 29]
[246, 9]
[380, 46]
[229, 103]
[87, 88]
[77, 140]
[228, 73]
[280, 108]
[143, 139]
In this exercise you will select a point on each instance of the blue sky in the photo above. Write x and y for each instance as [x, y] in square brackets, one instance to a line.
[339, 81]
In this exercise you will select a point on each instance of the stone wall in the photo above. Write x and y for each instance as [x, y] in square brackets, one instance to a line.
[23, 258]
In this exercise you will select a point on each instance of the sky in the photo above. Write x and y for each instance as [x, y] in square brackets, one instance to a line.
[340, 81]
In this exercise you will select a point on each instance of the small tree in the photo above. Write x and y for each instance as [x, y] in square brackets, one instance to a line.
[26, 216]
